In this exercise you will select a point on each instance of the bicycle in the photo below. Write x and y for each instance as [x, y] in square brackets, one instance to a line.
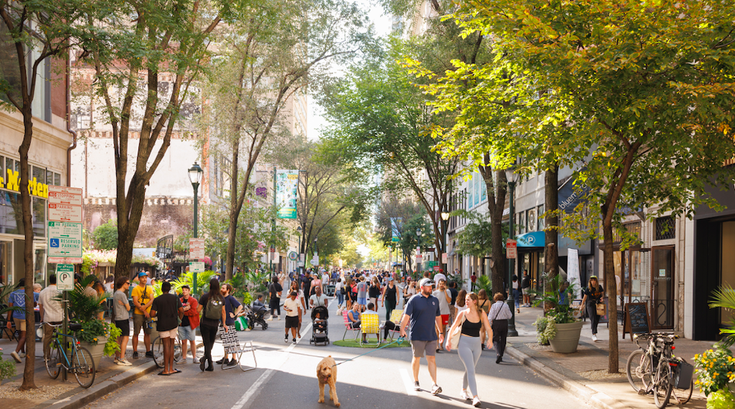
[79, 361]
[653, 369]
[157, 349]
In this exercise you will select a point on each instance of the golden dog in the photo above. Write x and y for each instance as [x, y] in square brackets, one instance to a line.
[326, 372]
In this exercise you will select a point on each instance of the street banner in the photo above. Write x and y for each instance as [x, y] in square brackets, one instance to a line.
[65, 277]
[511, 248]
[395, 227]
[573, 270]
[196, 248]
[287, 188]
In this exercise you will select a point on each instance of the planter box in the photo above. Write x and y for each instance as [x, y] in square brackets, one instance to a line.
[97, 351]
[567, 337]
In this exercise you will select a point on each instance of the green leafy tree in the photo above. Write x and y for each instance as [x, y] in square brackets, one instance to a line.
[104, 236]
[265, 60]
[649, 118]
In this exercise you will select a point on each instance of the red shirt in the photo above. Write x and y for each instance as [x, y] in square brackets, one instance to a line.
[192, 313]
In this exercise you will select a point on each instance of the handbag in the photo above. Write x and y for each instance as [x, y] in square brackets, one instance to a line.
[454, 336]
[600, 308]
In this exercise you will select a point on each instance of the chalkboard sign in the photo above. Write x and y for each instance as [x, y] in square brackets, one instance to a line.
[636, 319]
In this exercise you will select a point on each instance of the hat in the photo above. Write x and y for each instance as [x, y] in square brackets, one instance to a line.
[142, 273]
[426, 281]
[390, 278]
[440, 277]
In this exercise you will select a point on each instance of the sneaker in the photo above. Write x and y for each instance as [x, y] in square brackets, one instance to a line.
[476, 402]
[149, 354]
[124, 363]
[416, 386]
[195, 360]
[436, 389]
[135, 355]
[16, 357]
[220, 361]
[594, 337]
[278, 318]
[22, 354]
[464, 395]
[286, 339]
[270, 319]
[232, 362]
[294, 340]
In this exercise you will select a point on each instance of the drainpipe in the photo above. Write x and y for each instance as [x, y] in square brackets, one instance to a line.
[68, 123]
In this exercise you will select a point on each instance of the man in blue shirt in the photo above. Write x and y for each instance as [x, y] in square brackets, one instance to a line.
[423, 312]
[18, 299]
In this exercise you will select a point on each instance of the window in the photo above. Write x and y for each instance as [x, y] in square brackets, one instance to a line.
[665, 228]
[541, 219]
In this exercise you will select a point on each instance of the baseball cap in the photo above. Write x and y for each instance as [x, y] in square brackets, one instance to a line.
[426, 281]
[141, 274]
[440, 277]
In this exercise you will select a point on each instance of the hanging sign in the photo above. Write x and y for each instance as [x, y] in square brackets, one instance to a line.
[287, 185]
[511, 248]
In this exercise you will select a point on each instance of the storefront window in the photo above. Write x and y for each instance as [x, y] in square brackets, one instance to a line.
[5, 247]
[39, 267]
[11, 215]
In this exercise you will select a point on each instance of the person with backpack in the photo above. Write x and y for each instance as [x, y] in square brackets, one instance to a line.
[275, 290]
[212, 308]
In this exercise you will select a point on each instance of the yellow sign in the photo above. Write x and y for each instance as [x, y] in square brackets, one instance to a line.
[13, 183]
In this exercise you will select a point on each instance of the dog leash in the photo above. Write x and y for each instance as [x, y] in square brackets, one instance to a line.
[398, 341]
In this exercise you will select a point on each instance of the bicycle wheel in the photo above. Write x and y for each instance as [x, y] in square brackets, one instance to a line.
[157, 350]
[177, 350]
[83, 367]
[53, 361]
[662, 386]
[682, 396]
[639, 371]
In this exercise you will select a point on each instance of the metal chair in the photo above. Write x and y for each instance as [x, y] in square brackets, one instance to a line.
[369, 324]
[348, 326]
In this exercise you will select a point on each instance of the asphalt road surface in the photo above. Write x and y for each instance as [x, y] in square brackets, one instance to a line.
[285, 377]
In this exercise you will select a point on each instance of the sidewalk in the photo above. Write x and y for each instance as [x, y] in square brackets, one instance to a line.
[57, 394]
[584, 373]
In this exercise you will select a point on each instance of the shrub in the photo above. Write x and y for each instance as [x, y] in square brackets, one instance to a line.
[715, 369]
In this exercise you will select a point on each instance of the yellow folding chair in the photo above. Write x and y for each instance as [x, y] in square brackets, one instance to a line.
[370, 324]
[395, 318]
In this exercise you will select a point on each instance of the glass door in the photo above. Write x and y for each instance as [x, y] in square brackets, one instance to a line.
[662, 289]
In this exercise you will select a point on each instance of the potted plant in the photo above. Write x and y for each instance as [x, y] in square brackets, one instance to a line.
[557, 326]
[716, 366]
[97, 335]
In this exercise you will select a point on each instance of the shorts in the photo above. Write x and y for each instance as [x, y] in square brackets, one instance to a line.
[445, 319]
[292, 322]
[362, 300]
[20, 324]
[187, 334]
[168, 334]
[138, 322]
[124, 326]
[525, 290]
[420, 348]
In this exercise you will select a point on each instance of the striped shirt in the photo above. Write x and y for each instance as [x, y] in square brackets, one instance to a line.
[499, 311]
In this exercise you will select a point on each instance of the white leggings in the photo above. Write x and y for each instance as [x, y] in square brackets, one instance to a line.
[469, 350]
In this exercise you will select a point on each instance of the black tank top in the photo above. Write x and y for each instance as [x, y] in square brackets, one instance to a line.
[471, 329]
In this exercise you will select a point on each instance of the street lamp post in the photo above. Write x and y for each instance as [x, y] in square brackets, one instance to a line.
[445, 217]
[298, 259]
[512, 178]
[195, 177]
[418, 264]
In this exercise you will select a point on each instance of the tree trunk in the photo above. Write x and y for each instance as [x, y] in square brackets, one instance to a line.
[234, 210]
[25, 198]
[130, 211]
[496, 196]
[611, 290]
[551, 230]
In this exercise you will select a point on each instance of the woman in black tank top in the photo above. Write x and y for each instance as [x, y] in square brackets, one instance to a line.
[468, 324]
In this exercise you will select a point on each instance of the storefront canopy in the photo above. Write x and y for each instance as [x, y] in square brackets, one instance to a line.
[532, 239]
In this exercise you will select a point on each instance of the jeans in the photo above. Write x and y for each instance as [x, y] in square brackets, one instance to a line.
[517, 298]
[208, 336]
[340, 298]
[594, 318]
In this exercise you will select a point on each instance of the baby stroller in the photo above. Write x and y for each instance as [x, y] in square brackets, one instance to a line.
[256, 316]
[319, 326]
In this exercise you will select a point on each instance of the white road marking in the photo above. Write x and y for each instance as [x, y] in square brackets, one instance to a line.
[408, 382]
[255, 387]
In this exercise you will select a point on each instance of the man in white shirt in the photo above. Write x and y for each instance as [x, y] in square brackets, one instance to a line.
[51, 311]
[293, 315]
[444, 296]
[318, 298]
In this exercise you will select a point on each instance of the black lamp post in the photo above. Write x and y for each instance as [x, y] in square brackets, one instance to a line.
[418, 247]
[195, 177]
[512, 178]
[298, 262]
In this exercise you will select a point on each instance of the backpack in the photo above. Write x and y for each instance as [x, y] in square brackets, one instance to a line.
[214, 309]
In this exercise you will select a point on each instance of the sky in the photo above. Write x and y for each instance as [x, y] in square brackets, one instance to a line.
[382, 25]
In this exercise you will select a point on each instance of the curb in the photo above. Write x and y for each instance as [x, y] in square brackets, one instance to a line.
[597, 399]
[110, 385]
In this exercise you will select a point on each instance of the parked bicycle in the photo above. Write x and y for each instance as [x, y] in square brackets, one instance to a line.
[653, 369]
[73, 358]
[157, 349]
